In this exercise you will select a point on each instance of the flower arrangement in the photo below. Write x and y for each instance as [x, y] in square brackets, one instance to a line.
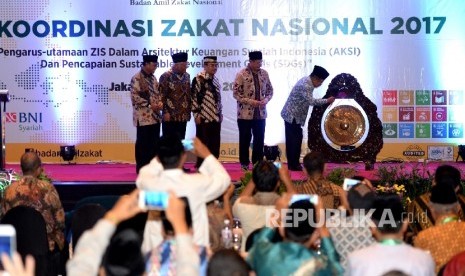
[415, 181]
[6, 178]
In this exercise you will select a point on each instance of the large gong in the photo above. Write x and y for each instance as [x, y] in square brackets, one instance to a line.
[348, 129]
[344, 124]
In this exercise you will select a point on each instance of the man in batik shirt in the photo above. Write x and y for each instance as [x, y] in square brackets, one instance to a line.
[252, 90]
[420, 209]
[146, 115]
[207, 107]
[40, 195]
[447, 237]
[175, 87]
[295, 113]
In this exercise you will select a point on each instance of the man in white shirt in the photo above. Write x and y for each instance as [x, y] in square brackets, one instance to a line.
[390, 252]
[164, 173]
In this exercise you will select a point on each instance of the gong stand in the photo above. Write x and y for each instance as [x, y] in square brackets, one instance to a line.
[344, 125]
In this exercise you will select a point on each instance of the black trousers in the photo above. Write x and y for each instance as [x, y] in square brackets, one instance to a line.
[175, 128]
[293, 143]
[247, 128]
[147, 138]
[210, 135]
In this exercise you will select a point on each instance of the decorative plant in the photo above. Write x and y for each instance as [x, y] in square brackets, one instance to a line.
[8, 177]
[416, 181]
[244, 180]
[337, 175]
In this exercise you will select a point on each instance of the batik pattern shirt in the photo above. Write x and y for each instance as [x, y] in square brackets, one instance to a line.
[144, 95]
[420, 211]
[442, 241]
[349, 233]
[176, 94]
[299, 101]
[42, 196]
[206, 98]
[329, 193]
[244, 93]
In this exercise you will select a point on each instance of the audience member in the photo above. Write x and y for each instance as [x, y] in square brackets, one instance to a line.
[330, 194]
[84, 218]
[165, 173]
[456, 266]
[251, 208]
[93, 244]
[447, 237]
[227, 262]
[420, 208]
[353, 232]
[123, 256]
[390, 252]
[162, 259]
[284, 250]
[39, 194]
[217, 213]
[251, 238]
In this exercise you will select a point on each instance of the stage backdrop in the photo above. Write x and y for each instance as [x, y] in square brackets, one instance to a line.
[68, 64]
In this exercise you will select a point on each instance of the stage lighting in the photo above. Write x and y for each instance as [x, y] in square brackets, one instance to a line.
[67, 152]
[461, 153]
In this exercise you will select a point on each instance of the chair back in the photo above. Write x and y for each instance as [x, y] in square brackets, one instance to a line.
[31, 235]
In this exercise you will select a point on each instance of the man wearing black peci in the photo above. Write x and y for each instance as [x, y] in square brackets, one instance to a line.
[146, 115]
[207, 107]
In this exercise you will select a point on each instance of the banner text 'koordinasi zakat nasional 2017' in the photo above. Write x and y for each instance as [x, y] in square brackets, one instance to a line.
[68, 67]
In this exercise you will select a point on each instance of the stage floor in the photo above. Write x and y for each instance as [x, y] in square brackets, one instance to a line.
[126, 173]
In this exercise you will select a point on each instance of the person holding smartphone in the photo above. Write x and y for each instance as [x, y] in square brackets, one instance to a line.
[300, 224]
[165, 173]
[259, 196]
[91, 247]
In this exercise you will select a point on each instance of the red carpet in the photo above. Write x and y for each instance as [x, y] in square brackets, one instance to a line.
[127, 172]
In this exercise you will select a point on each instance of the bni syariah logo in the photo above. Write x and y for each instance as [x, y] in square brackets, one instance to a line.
[26, 121]
[23, 117]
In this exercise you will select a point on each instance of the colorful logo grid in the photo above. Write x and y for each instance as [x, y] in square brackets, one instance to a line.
[423, 113]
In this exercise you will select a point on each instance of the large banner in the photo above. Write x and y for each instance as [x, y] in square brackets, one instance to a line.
[67, 66]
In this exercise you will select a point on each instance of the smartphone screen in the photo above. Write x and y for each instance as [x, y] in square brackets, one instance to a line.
[153, 200]
[7, 241]
[349, 182]
[188, 144]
